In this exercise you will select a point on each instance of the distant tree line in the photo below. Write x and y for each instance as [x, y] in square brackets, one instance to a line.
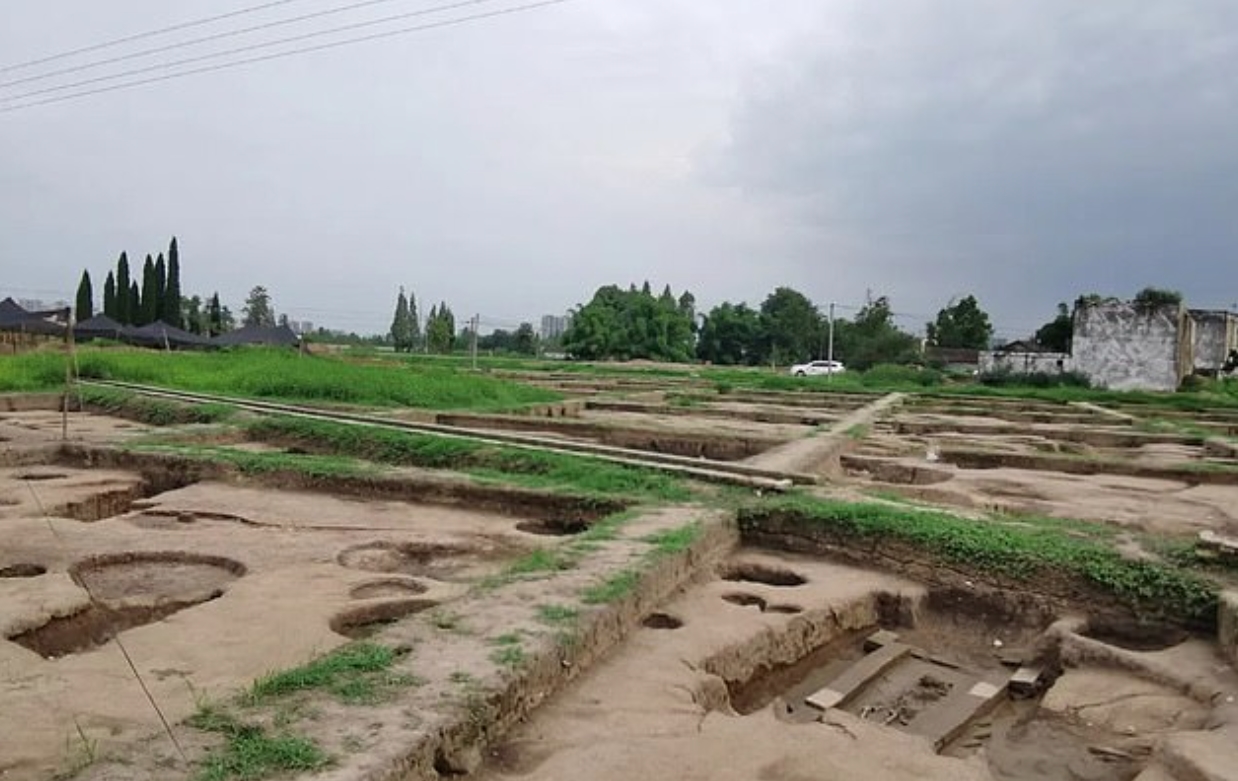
[407, 335]
[157, 297]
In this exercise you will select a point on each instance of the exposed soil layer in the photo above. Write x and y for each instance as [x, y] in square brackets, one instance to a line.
[553, 528]
[1135, 635]
[679, 443]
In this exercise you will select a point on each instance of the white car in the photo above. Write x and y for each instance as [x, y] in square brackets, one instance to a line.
[815, 368]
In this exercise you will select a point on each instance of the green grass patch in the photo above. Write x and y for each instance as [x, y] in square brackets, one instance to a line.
[279, 374]
[612, 589]
[673, 541]
[516, 466]
[358, 673]
[250, 752]
[250, 463]
[556, 615]
[152, 411]
[858, 432]
[509, 653]
[1020, 548]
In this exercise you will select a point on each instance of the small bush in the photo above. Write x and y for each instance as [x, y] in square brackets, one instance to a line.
[888, 374]
[1034, 380]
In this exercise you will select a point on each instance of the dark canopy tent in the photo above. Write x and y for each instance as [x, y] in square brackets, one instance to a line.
[271, 336]
[15, 319]
[99, 327]
[163, 336]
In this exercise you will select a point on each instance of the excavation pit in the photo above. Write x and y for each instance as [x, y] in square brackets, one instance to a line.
[153, 579]
[387, 588]
[661, 621]
[1135, 635]
[430, 560]
[746, 572]
[364, 622]
[22, 570]
[553, 528]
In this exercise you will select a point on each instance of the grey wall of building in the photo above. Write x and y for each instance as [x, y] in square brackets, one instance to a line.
[992, 362]
[1216, 333]
[1119, 346]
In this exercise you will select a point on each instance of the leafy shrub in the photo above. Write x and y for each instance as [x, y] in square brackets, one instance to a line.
[1003, 379]
[887, 374]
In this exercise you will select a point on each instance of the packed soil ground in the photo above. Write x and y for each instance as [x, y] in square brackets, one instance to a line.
[203, 586]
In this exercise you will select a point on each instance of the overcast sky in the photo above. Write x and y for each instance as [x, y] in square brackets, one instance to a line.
[1024, 152]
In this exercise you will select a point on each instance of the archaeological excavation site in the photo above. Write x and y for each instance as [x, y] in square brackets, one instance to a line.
[651, 577]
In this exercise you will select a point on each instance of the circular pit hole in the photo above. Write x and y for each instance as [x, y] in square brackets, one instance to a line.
[661, 621]
[22, 570]
[761, 573]
[1134, 635]
[553, 528]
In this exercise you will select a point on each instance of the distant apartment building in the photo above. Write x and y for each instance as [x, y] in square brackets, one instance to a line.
[301, 327]
[38, 305]
[553, 326]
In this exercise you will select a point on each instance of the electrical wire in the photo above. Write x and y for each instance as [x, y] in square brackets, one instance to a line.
[148, 34]
[195, 41]
[268, 57]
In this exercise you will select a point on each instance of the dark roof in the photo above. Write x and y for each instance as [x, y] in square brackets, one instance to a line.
[99, 326]
[277, 336]
[160, 334]
[14, 318]
[10, 311]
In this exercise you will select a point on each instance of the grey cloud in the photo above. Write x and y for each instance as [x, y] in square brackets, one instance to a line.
[1026, 151]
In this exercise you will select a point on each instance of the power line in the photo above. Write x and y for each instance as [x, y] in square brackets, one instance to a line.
[149, 34]
[292, 52]
[193, 42]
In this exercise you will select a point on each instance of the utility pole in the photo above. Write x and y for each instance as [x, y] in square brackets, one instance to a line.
[830, 354]
[475, 324]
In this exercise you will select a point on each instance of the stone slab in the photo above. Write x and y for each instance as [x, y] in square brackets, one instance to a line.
[857, 676]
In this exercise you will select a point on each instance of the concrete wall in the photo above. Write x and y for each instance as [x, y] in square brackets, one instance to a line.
[1216, 333]
[1227, 624]
[1025, 363]
[1121, 347]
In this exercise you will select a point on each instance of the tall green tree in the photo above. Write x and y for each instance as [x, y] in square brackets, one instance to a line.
[192, 318]
[135, 304]
[401, 329]
[161, 289]
[124, 311]
[962, 324]
[790, 327]
[109, 296]
[258, 309]
[85, 308]
[619, 324]
[172, 310]
[525, 340]
[414, 325]
[730, 335]
[215, 316]
[148, 306]
[1058, 332]
[873, 338]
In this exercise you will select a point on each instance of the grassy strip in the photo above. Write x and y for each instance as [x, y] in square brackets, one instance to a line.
[277, 374]
[517, 466]
[251, 752]
[266, 463]
[1023, 552]
[152, 411]
[358, 673]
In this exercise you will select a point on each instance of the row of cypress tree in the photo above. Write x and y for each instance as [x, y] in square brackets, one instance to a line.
[158, 297]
